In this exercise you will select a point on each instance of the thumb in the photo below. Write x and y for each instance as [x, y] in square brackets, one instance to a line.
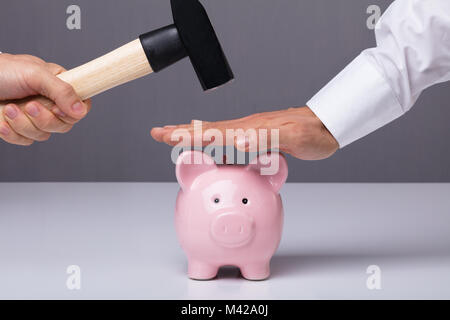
[44, 82]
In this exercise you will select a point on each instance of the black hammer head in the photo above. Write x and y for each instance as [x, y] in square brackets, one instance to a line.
[191, 35]
[201, 43]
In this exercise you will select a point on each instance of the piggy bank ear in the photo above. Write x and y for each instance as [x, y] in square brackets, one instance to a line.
[271, 166]
[191, 164]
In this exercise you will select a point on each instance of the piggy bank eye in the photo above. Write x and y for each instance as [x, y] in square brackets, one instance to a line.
[216, 200]
[245, 201]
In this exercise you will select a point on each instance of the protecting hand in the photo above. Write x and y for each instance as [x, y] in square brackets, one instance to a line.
[301, 133]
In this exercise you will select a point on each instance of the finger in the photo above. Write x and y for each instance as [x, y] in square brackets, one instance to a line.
[157, 133]
[44, 82]
[88, 104]
[246, 122]
[200, 133]
[8, 135]
[67, 119]
[55, 68]
[246, 134]
[172, 135]
[45, 120]
[20, 123]
[186, 134]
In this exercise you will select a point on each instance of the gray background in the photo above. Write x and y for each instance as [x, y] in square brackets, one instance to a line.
[122, 237]
[282, 53]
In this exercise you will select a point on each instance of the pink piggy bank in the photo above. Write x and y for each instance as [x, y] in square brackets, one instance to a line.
[229, 214]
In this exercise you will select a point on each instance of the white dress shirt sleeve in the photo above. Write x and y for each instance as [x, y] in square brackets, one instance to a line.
[382, 83]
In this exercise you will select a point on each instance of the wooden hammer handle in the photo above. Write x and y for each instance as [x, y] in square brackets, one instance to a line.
[122, 65]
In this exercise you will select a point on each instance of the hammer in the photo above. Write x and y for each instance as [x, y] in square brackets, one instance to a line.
[191, 35]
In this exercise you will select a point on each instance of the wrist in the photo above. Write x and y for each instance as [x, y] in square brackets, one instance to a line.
[314, 140]
[323, 129]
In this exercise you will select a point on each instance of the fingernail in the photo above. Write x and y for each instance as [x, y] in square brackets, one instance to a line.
[78, 108]
[11, 112]
[168, 127]
[33, 110]
[4, 130]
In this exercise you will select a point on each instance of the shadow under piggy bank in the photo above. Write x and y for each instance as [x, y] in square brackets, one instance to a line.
[326, 263]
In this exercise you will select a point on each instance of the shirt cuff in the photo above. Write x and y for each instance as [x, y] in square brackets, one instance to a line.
[356, 102]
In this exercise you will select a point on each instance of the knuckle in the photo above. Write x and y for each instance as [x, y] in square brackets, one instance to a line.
[32, 58]
[22, 56]
[5, 57]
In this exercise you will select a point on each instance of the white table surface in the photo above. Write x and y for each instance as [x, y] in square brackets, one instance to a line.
[122, 237]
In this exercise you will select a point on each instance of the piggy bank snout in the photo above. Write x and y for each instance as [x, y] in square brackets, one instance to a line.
[232, 229]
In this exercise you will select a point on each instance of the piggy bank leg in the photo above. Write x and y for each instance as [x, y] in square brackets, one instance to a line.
[198, 270]
[256, 271]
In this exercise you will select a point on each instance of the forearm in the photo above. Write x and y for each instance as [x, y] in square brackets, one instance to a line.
[380, 85]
